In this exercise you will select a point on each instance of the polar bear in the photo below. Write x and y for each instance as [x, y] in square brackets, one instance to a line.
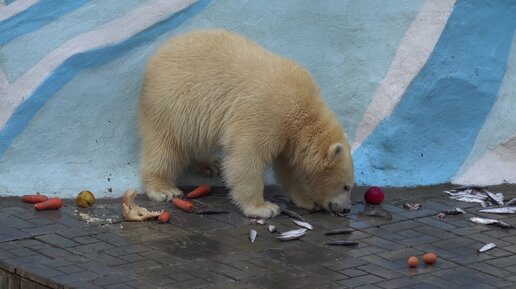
[212, 90]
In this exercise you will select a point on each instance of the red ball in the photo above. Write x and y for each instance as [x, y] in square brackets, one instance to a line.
[374, 196]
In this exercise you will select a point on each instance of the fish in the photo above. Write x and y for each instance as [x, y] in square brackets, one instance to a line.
[376, 212]
[487, 247]
[339, 231]
[252, 235]
[511, 202]
[501, 210]
[412, 207]
[471, 200]
[303, 224]
[272, 228]
[211, 212]
[342, 243]
[496, 198]
[292, 214]
[456, 211]
[292, 235]
[485, 221]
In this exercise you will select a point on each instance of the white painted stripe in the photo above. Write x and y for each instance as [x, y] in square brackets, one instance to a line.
[496, 167]
[115, 31]
[415, 48]
[15, 8]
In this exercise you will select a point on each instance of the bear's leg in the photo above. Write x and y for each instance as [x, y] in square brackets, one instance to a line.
[294, 187]
[209, 167]
[161, 166]
[244, 174]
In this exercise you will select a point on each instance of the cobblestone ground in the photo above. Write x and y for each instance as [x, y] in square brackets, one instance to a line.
[58, 249]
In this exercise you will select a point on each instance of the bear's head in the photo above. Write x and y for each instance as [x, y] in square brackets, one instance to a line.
[319, 173]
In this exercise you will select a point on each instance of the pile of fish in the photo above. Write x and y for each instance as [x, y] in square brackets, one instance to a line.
[298, 233]
[491, 202]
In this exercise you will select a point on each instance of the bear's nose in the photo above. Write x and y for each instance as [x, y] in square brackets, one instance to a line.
[346, 211]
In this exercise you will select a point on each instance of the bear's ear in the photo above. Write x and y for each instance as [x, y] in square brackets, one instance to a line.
[334, 152]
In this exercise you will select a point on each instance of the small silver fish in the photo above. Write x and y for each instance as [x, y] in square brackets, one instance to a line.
[303, 224]
[502, 210]
[455, 211]
[511, 202]
[272, 228]
[339, 231]
[496, 198]
[412, 206]
[292, 235]
[252, 235]
[471, 200]
[487, 247]
[342, 243]
[485, 221]
[292, 214]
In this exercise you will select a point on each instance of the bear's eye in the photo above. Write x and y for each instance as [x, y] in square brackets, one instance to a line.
[346, 188]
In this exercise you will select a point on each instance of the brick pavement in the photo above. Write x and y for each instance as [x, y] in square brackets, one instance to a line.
[57, 249]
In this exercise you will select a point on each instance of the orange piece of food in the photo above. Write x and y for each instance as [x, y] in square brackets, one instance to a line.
[50, 204]
[429, 258]
[164, 217]
[412, 261]
[200, 191]
[183, 205]
[34, 199]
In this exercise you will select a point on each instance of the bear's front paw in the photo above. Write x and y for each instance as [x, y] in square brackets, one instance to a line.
[164, 195]
[264, 211]
[173, 193]
[156, 196]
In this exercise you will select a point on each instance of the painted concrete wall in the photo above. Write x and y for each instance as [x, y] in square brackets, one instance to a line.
[425, 89]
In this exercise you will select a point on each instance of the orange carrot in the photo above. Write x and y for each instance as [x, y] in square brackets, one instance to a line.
[50, 204]
[164, 217]
[183, 205]
[200, 191]
[34, 199]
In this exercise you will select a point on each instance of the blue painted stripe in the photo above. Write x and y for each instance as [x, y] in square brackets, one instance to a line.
[433, 129]
[34, 17]
[80, 62]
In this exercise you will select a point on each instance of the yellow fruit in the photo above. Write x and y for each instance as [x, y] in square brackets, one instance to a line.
[85, 199]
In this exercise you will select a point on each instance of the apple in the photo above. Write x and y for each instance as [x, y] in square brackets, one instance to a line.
[85, 199]
[374, 196]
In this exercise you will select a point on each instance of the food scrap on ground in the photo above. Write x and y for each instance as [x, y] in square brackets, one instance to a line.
[303, 224]
[342, 243]
[132, 212]
[85, 199]
[485, 221]
[412, 206]
[376, 211]
[183, 205]
[201, 191]
[34, 199]
[272, 228]
[210, 212]
[292, 235]
[252, 235]
[429, 258]
[339, 231]
[374, 196]
[164, 217]
[257, 221]
[412, 261]
[486, 247]
[54, 203]
[292, 214]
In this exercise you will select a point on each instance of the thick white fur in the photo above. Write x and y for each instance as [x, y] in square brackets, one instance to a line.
[212, 89]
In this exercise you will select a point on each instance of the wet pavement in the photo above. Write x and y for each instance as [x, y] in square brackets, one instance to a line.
[61, 249]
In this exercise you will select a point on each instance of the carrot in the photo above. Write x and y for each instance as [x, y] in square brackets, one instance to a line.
[200, 191]
[50, 204]
[164, 217]
[34, 199]
[183, 205]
